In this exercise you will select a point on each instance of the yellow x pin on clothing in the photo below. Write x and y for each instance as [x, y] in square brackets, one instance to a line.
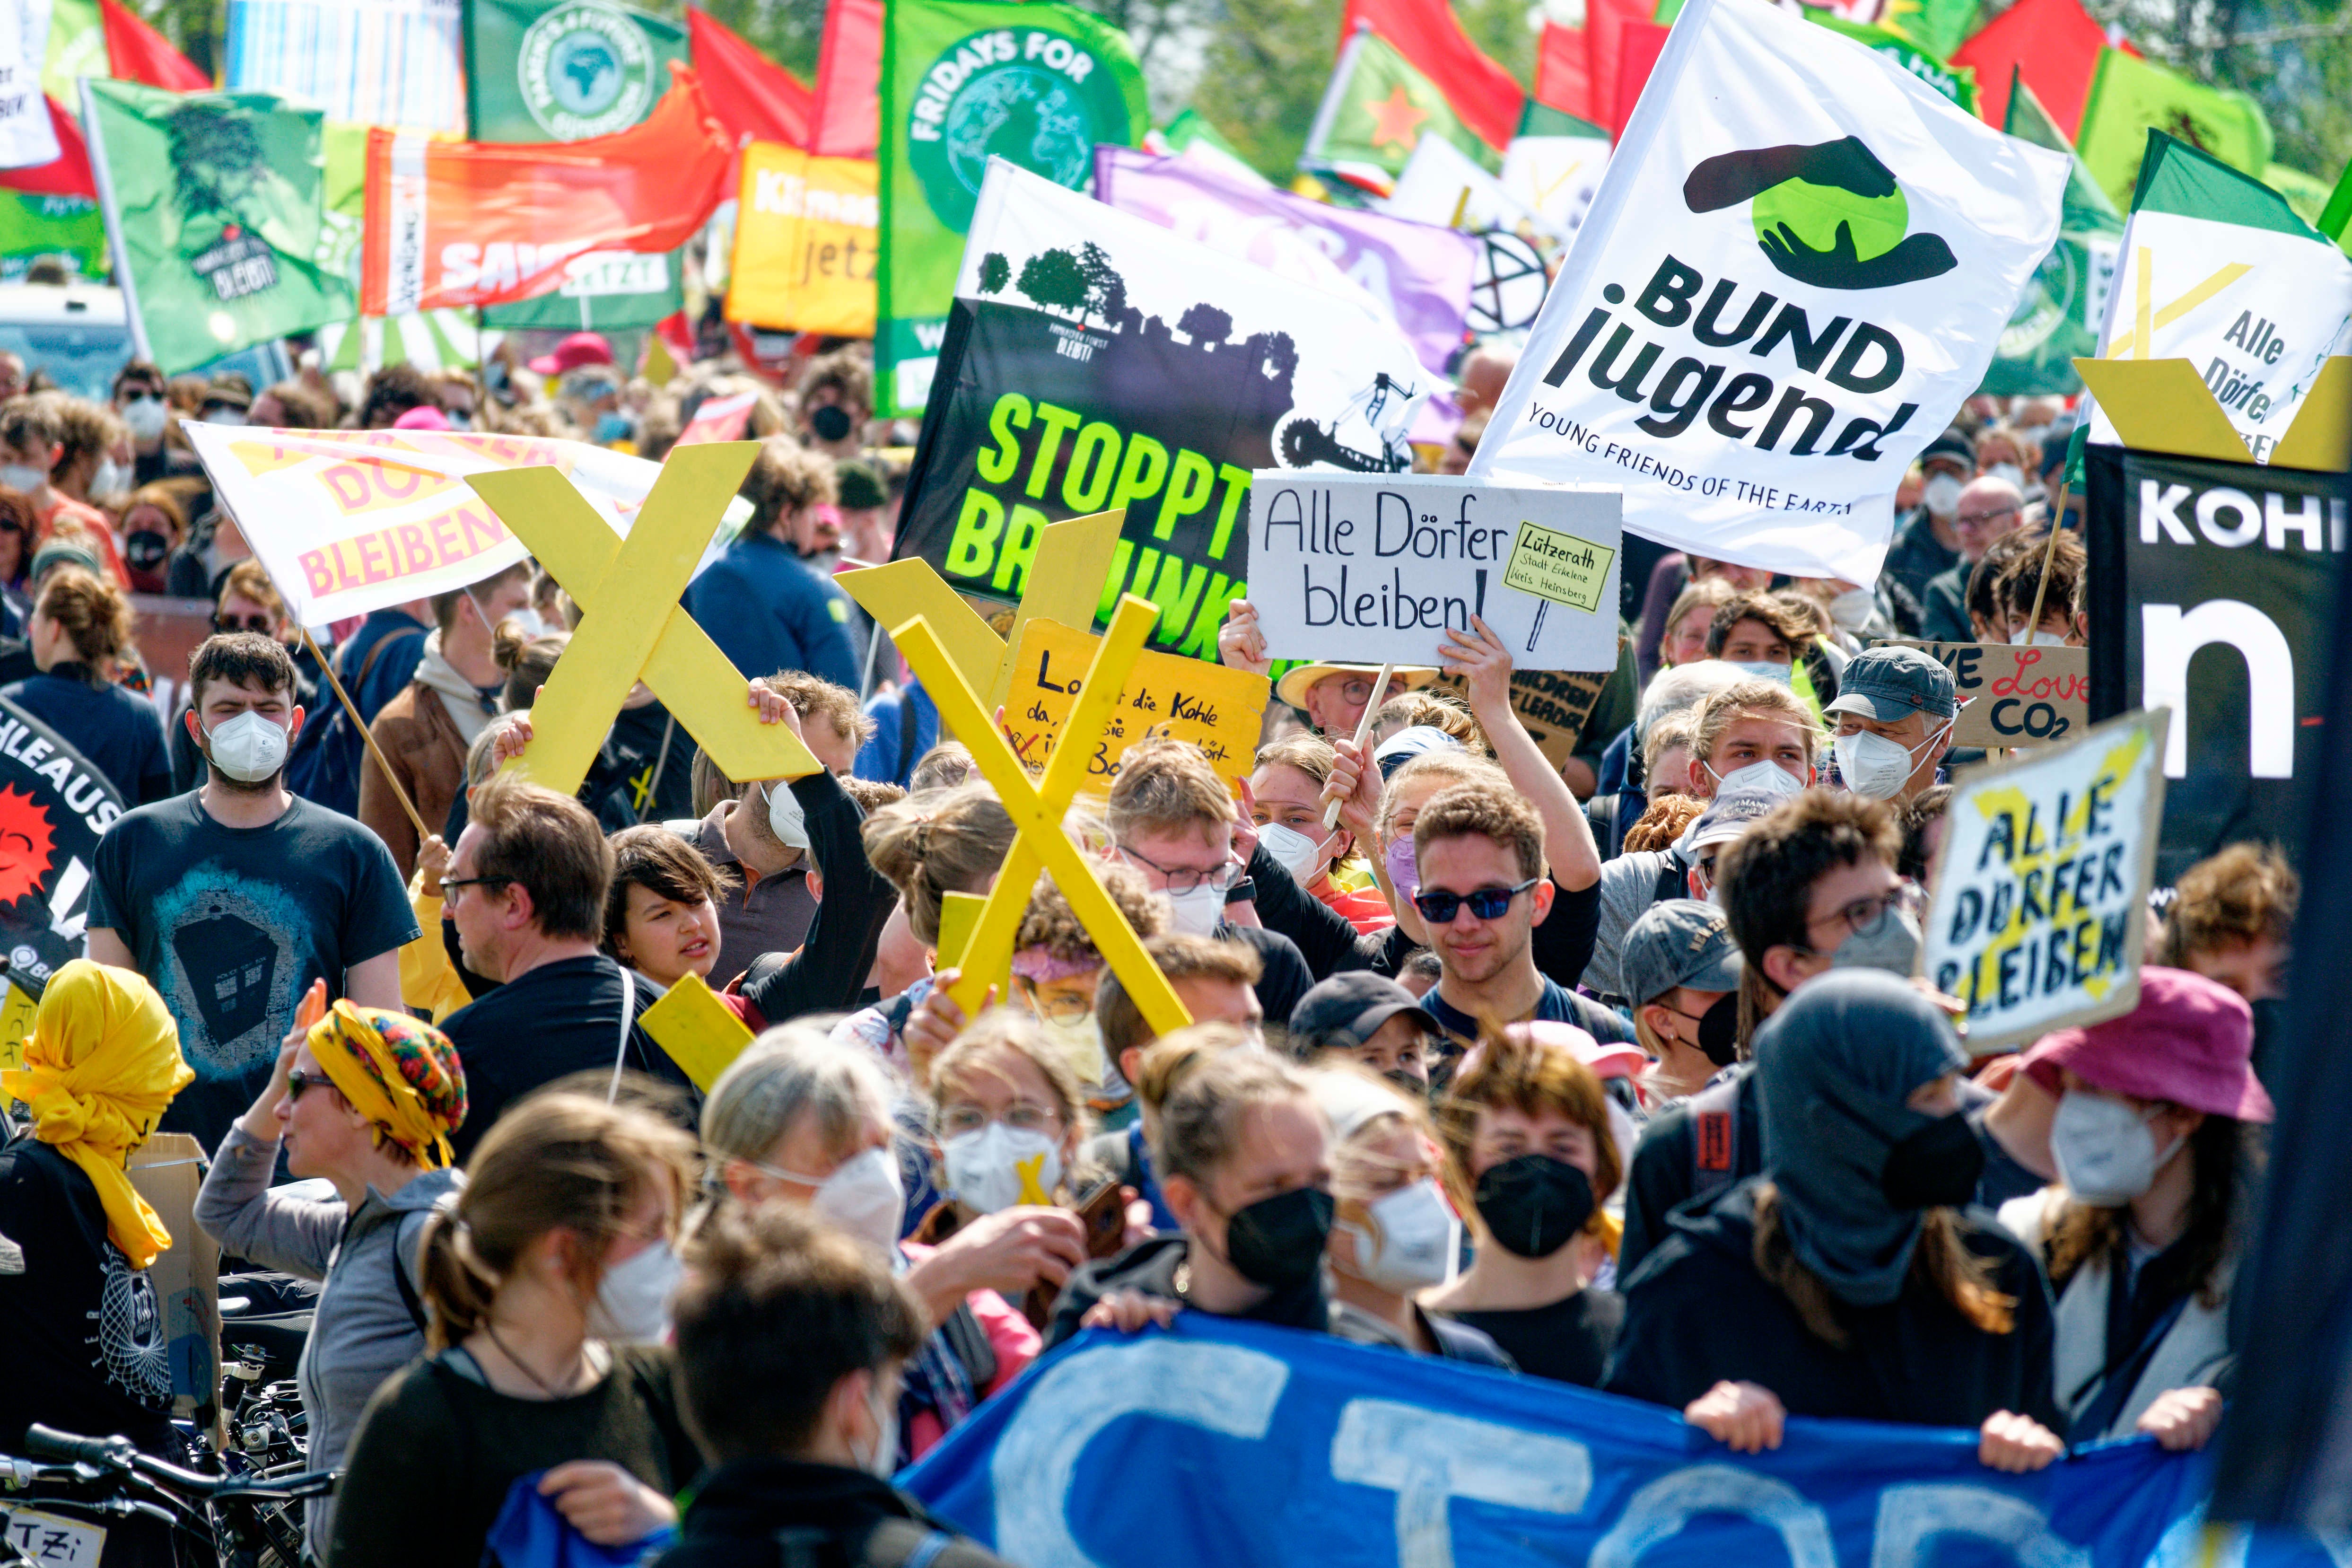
[632, 626]
[1037, 811]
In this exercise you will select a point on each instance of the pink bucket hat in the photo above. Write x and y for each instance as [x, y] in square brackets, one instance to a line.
[2191, 1041]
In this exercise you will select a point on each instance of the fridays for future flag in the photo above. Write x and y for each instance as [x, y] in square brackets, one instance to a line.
[1799, 261]
[2216, 268]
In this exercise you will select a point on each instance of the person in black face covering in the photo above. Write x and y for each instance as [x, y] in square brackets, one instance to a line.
[1526, 1128]
[1848, 1280]
[1242, 1152]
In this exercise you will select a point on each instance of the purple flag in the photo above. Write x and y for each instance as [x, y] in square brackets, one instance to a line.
[1416, 273]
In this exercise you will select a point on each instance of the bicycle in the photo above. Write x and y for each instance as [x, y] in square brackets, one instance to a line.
[236, 1521]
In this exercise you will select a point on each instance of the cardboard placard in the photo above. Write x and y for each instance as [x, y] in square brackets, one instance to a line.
[696, 1029]
[1218, 710]
[2040, 907]
[2011, 694]
[1552, 704]
[1377, 567]
[168, 1169]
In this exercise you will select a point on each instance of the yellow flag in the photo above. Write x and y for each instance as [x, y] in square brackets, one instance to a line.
[805, 239]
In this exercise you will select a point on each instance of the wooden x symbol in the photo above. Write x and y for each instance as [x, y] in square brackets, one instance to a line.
[1037, 809]
[632, 626]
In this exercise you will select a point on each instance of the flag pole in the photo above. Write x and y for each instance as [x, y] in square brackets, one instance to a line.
[2048, 555]
[326, 667]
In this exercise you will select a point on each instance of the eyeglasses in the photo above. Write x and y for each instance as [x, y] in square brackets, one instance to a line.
[1184, 879]
[451, 884]
[1486, 904]
[1022, 1116]
[1358, 689]
[297, 1082]
[1867, 912]
[1066, 1007]
[1974, 518]
[242, 624]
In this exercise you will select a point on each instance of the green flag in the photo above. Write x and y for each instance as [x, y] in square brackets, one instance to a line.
[1956, 83]
[626, 290]
[2057, 319]
[2307, 193]
[1939, 27]
[77, 48]
[562, 70]
[216, 205]
[2130, 97]
[1376, 112]
[963, 81]
[67, 227]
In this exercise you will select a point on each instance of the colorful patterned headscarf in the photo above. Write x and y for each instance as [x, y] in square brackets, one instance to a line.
[399, 1073]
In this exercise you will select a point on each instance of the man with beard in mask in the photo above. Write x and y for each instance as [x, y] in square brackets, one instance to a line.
[232, 899]
[763, 602]
[1925, 542]
[1853, 1278]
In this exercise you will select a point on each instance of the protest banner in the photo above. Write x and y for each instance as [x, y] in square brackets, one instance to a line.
[471, 223]
[965, 82]
[1419, 275]
[28, 140]
[214, 203]
[806, 241]
[2059, 317]
[349, 521]
[564, 71]
[2188, 555]
[2216, 269]
[603, 291]
[1098, 363]
[1375, 569]
[1552, 704]
[1216, 709]
[1805, 244]
[2012, 694]
[34, 225]
[168, 1170]
[1958, 83]
[2039, 906]
[1377, 1457]
[54, 806]
[389, 62]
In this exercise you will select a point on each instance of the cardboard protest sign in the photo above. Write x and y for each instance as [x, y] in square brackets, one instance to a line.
[1376, 568]
[1552, 704]
[2040, 900]
[2013, 695]
[1801, 257]
[167, 1170]
[349, 521]
[1097, 361]
[2217, 581]
[1217, 710]
[696, 1030]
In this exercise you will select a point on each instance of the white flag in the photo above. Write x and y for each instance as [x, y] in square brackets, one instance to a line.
[1797, 269]
[28, 138]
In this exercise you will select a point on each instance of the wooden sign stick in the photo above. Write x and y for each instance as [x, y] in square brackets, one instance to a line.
[1363, 728]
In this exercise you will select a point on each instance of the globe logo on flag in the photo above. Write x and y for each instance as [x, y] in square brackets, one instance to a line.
[1034, 99]
[1830, 214]
[584, 70]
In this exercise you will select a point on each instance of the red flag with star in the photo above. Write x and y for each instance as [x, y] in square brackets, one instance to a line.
[1378, 108]
[1482, 94]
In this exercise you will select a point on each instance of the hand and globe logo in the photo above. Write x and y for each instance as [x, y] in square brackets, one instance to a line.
[585, 70]
[1040, 110]
[1830, 214]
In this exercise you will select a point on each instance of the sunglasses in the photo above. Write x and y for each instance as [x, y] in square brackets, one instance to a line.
[1486, 904]
[297, 1082]
[241, 624]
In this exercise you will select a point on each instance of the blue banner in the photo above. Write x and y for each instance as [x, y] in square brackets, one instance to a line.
[1243, 1447]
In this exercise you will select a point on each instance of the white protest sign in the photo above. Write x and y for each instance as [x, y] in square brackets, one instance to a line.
[2041, 903]
[1369, 568]
[1799, 263]
[27, 136]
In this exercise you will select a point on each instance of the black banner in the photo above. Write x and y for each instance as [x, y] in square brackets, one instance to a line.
[53, 807]
[2212, 588]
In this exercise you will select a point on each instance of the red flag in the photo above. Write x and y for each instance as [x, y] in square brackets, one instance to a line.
[137, 52]
[1563, 71]
[69, 174]
[1637, 55]
[483, 223]
[848, 111]
[1429, 35]
[1605, 22]
[2051, 44]
[755, 99]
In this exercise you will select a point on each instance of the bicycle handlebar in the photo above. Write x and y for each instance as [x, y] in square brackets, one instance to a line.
[48, 1443]
[118, 1454]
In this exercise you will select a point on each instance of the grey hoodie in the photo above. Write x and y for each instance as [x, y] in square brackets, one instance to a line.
[362, 1330]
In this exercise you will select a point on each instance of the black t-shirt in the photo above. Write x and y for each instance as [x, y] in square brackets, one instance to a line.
[1283, 975]
[232, 925]
[1568, 1341]
[562, 1017]
[87, 1350]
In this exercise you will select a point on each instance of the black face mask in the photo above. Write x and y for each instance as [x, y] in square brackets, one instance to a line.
[1534, 1205]
[144, 549]
[1936, 1167]
[1718, 1030]
[1278, 1242]
[830, 422]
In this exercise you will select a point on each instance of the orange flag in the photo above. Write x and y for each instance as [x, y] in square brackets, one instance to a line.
[479, 223]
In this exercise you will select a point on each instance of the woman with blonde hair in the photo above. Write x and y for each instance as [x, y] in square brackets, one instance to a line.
[548, 1282]
[79, 631]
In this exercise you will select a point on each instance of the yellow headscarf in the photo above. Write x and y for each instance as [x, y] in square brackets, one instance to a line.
[399, 1073]
[102, 1063]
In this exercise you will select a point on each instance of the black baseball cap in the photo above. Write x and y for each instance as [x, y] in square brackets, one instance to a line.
[1356, 1003]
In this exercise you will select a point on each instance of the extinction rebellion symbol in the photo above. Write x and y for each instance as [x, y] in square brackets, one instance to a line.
[1830, 214]
[1034, 98]
[585, 70]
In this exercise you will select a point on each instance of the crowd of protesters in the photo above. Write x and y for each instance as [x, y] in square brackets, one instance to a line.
[1610, 1071]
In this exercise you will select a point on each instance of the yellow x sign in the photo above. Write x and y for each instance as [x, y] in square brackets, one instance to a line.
[1037, 810]
[632, 626]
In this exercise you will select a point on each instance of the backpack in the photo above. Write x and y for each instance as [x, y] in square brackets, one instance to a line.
[1714, 1136]
[324, 768]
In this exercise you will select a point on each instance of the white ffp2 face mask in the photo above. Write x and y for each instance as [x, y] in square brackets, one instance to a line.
[248, 748]
[995, 1167]
[2106, 1152]
[633, 1299]
[1853, 607]
[1413, 1241]
[1300, 855]
[1875, 767]
[864, 1198]
[1941, 495]
[22, 479]
[786, 819]
[1770, 778]
[1200, 912]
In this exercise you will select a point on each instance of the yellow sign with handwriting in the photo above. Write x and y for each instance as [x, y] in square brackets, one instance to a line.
[1216, 708]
